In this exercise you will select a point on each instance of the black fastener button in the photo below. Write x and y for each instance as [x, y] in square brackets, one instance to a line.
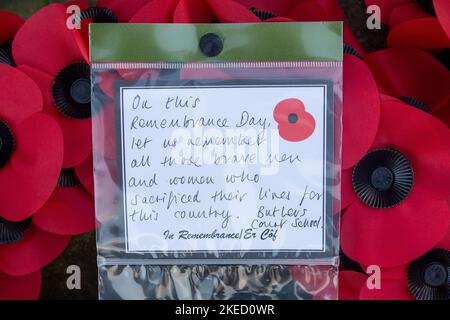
[211, 45]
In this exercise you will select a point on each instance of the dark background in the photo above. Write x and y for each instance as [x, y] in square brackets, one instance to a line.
[82, 250]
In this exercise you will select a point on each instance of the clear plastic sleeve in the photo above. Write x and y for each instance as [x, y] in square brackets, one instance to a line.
[217, 170]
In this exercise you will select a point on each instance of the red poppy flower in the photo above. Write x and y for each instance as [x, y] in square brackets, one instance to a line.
[70, 209]
[361, 111]
[63, 75]
[268, 9]
[413, 76]
[31, 148]
[25, 248]
[398, 208]
[294, 122]
[84, 173]
[425, 278]
[20, 288]
[421, 24]
[9, 24]
[411, 26]
[194, 11]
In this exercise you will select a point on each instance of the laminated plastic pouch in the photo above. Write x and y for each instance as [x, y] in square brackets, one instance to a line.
[217, 157]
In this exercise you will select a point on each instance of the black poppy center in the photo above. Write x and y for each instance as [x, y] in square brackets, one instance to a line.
[429, 276]
[72, 91]
[6, 144]
[293, 118]
[68, 179]
[99, 15]
[11, 232]
[6, 56]
[435, 274]
[416, 103]
[262, 14]
[383, 178]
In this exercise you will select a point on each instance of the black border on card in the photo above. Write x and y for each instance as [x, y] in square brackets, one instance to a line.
[234, 257]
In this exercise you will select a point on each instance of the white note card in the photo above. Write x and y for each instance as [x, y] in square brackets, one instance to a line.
[228, 168]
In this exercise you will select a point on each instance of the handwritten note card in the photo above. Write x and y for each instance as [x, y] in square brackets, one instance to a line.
[225, 168]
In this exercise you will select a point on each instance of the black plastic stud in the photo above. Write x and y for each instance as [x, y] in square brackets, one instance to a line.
[383, 178]
[99, 15]
[293, 118]
[68, 179]
[429, 276]
[72, 91]
[6, 56]
[348, 49]
[415, 103]
[6, 144]
[261, 14]
[211, 45]
[11, 232]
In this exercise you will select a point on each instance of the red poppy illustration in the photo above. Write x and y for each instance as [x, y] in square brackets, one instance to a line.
[70, 209]
[294, 122]
[20, 288]
[350, 284]
[9, 24]
[397, 193]
[26, 248]
[425, 278]
[31, 148]
[414, 77]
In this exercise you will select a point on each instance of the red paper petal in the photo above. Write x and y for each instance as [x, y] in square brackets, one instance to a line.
[44, 42]
[20, 288]
[406, 12]
[157, 11]
[279, 8]
[230, 11]
[423, 139]
[424, 33]
[394, 236]
[350, 284]
[105, 133]
[28, 180]
[69, 211]
[386, 7]
[409, 72]
[76, 133]
[83, 4]
[124, 9]
[85, 173]
[390, 290]
[445, 242]
[361, 111]
[35, 250]
[193, 11]
[20, 97]
[279, 19]
[9, 24]
[442, 8]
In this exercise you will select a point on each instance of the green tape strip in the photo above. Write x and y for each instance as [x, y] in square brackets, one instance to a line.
[289, 41]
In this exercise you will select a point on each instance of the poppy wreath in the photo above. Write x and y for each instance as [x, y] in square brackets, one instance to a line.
[395, 162]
